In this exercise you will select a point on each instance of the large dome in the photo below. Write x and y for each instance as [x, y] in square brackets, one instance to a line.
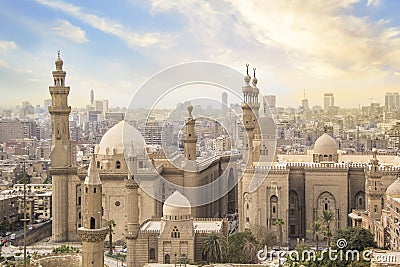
[325, 145]
[394, 189]
[176, 206]
[114, 139]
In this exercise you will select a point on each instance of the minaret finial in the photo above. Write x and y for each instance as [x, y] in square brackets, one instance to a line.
[58, 53]
[247, 68]
[254, 71]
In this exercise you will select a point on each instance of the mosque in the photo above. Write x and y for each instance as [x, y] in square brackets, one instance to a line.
[119, 184]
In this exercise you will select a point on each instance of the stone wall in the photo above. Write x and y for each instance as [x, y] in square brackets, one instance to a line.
[34, 235]
[55, 260]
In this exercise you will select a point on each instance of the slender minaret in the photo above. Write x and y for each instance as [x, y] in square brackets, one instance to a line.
[190, 139]
[132, 211]
[92, 233]
[60, 155]
[248, 118]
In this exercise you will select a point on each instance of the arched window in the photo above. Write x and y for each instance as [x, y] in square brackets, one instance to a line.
[375, 208]
[152, 254]
[359, 199]
[118, 164]
[92, 223]
[175, 233]
[273, 202]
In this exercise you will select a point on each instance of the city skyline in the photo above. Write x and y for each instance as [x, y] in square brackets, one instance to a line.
[327, 46]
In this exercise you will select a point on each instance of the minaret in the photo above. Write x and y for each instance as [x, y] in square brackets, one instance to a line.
[248, 118]
[132, 211]
[374, 188]
[92, 233]
[190, 139]
[60, 155]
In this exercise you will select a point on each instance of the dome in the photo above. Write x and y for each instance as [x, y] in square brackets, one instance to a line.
[394, 189]
[247, 78]
[114, 139]
[59, 63]
[176, 205]
[325, 145]
[267, 126]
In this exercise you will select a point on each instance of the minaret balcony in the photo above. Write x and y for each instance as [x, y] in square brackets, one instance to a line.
[59, 110]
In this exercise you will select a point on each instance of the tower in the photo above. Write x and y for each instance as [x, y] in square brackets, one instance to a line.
[61, 168]
[374, 188]
[91, 97]
[190, 139]
[92, 233]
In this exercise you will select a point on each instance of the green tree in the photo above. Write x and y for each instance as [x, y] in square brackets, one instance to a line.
[236, 244]
[111, 224]
[263, 236]
[5, 226]
[357, 238]
[214, 246]
[316, 230]
[327, 217]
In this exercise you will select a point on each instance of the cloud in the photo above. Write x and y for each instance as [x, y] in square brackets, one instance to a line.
[132, 38]
[74, 33]
[7, 45]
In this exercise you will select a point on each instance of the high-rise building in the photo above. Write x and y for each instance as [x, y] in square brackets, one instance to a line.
[392, 101]
[329, 101]
[91, 97]
[224, 103]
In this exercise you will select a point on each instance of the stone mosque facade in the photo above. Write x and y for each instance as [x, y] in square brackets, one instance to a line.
[296, 189]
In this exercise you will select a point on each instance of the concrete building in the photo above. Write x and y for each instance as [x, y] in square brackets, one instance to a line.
[329, 101]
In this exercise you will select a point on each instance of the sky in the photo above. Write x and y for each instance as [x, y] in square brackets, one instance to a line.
[348, 47]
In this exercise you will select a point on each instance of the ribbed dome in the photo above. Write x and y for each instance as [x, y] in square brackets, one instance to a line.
[325, 145]
[394, 189]
[114, 139]
[176, 205]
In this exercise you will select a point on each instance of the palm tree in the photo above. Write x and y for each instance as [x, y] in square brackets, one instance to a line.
[327, 217]
[316, 230]
[213, 247]
[250, 249]
[111, 224]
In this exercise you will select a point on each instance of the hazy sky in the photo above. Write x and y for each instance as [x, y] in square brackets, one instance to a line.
[348, 47]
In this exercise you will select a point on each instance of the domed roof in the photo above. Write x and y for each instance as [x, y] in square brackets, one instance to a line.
[267, 126]
[115, 138]
[177, 204]
[394, 189]
[325, 145]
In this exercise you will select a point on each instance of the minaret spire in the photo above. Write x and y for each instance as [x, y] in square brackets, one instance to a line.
[190, 139]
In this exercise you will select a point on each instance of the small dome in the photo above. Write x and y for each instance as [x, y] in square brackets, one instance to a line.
[394, 189]
[267, 126]
[59, 63]
[325, 145]
[177, 204]
[115, 138]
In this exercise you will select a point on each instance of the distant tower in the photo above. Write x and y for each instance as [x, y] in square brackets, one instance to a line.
[329, 101]
[304, 102]
[224, 103]
[92, 233]
[190, 139]
[132, 205]
[91, 97]
[60, 155]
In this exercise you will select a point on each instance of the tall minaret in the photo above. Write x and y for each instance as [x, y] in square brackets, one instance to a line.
[190, 139]
[60, 155]
[92, 233]
[132, 211]
[249, 120]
